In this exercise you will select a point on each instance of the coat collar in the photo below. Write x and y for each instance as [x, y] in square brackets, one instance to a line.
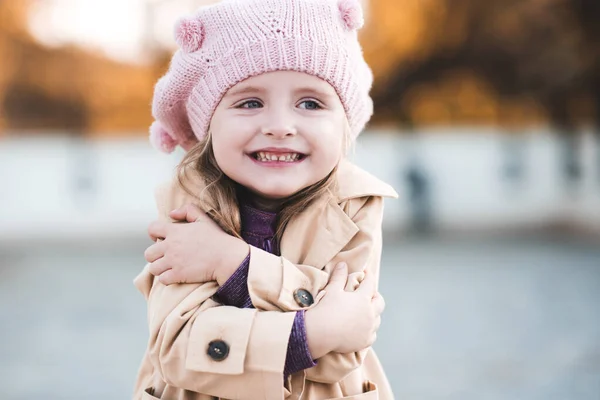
[316, 235]
[325, 228]
[354, 182]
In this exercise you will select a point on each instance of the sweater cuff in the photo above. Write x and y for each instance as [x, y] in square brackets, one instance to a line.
[298, 355]
[234, 291]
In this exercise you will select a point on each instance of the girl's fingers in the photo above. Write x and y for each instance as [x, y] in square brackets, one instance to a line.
[157, 230]
[189, 213]
[167, 277]
[178, 214]
[158, 267]
[155, 251]
[368, 286]
[338, 277]
[378, 303]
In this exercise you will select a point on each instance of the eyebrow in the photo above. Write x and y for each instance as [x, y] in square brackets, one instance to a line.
[244, 90]
[318, 92]
[297, 91]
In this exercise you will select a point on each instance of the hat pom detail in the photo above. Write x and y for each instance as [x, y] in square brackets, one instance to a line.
[161, 139]
[189, 34]
[352, 14]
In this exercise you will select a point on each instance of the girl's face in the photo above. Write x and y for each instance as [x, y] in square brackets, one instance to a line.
[278, 133]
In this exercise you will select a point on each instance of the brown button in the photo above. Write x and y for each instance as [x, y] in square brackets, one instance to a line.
[218, 350]
[303, 298]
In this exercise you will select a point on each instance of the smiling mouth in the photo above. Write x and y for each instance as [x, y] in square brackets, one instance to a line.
[269, 157]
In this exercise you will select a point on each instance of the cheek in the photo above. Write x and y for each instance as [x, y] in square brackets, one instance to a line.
[231, 134]
[331, 142]
[218, 148]
[224, 151]
[227, 140]
[333, 156]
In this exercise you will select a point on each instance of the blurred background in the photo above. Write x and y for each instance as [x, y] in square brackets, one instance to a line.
[487, 123]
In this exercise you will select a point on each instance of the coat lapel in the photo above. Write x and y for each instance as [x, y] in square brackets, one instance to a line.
[318, 234]
[321, 231]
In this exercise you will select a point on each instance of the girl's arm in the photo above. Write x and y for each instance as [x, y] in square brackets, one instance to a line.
[198, 345]
[273, 282]
[201, 346]
[201, 247]
[234, 292]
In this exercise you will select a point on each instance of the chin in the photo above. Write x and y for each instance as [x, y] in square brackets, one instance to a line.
[277, 193]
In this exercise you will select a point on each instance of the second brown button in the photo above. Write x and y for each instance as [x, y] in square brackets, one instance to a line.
[303, 298]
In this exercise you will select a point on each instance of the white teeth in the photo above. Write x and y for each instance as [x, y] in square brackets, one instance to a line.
[266, 157]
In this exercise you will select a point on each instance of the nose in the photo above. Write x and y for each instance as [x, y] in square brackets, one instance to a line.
[279, 126]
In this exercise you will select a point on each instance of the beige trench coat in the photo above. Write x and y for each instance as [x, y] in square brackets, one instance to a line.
[345, 226]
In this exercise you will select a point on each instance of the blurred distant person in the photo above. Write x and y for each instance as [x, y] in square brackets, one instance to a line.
[419, 192]
[269, 291]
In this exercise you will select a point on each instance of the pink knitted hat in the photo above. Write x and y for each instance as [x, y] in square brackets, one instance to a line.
[228, 42]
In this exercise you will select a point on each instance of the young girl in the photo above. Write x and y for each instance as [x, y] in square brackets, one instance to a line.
[270, 290]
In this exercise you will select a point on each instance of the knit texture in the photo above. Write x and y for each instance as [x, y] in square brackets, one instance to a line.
[228, 42]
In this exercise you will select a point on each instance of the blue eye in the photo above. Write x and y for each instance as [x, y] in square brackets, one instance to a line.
[310, 105]
[251, 104]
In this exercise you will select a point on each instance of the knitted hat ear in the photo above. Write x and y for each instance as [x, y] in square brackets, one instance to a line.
[189, 34]
[352, 14]
[161, 139]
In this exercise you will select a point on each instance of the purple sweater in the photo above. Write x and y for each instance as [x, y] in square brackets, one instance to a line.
[258, 230]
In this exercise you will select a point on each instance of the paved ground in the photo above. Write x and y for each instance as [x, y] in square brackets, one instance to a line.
[467, 319]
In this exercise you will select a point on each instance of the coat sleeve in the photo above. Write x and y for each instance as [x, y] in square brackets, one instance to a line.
[183, 320]
[274, 280]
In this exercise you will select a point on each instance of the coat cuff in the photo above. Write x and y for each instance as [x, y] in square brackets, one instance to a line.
[274, 281]
[246, 333]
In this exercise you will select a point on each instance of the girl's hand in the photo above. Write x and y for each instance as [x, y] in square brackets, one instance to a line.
[195, 251]
[344, 322]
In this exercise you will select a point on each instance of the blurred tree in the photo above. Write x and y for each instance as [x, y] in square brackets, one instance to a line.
[501, 46]
[505, 62]
[12, 14]
[68, 89]
[28, 107]
[498, 57]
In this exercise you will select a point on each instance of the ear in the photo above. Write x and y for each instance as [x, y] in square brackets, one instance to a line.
[189, 34]
[352, 14]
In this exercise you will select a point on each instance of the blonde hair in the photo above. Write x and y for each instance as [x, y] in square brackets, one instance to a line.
[221, 192]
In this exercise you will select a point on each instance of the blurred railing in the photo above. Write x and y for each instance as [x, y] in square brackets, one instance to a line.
[448, 179]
